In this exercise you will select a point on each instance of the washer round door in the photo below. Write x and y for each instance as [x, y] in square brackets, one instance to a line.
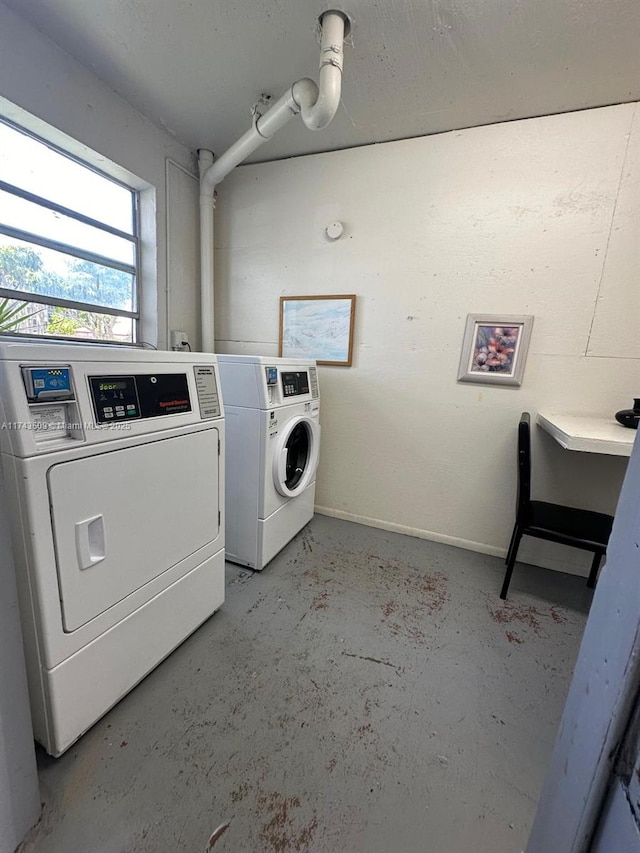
[296, 457]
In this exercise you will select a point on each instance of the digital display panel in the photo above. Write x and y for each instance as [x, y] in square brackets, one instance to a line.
[295, 383]
[124, 398]
[115, 398]
[112, 386]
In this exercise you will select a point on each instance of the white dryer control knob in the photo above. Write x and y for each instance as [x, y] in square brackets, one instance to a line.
[335, 230]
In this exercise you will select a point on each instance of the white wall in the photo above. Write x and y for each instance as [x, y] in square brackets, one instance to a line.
[538, 216]
[39, 78]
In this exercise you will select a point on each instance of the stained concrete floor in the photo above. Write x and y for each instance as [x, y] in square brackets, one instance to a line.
[367, 693]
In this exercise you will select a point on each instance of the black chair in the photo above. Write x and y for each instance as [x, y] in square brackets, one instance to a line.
[565, 524]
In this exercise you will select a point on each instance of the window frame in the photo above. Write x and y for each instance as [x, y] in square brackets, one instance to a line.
[34, 239]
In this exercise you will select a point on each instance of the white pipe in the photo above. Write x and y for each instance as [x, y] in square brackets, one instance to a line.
[167, 290]
[319, 113]
[264, 128]
[205, 160]
[318, 106]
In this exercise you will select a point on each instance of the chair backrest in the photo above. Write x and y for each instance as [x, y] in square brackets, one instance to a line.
[524, 461]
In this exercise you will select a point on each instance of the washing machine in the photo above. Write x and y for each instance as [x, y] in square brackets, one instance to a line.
[113, 464]
[272, 409]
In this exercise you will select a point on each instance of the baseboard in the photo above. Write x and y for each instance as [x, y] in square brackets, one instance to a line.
[546, 562]
[456, 541]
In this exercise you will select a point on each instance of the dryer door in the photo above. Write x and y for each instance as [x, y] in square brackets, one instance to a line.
[296, 456]
[121, 519]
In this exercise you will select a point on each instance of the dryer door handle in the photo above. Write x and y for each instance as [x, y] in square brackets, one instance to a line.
[90, 541]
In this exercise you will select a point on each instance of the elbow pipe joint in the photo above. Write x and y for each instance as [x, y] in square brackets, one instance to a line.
[317, 113]
[305, 94]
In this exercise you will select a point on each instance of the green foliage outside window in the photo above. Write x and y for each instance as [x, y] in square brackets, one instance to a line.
[12, 314]
[21, 268]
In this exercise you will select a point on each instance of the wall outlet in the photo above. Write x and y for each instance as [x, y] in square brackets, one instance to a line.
[179, 341]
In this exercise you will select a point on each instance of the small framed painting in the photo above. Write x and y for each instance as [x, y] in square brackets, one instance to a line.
[319, 327]
[494, 349]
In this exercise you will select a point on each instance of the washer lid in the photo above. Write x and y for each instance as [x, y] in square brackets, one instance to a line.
[296, 456]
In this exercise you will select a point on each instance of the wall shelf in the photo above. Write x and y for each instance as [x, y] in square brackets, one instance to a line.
[588, 434]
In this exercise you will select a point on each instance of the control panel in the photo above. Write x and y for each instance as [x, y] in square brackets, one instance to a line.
[114, 397]
[294, 383]
[54, 396]
[118, 398]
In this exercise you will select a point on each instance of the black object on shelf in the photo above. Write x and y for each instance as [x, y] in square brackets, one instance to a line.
[630, 417]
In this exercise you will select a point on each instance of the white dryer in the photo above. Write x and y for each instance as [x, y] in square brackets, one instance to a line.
[114, 477]
[272, 407]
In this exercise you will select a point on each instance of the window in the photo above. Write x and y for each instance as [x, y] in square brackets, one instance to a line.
[68, 245]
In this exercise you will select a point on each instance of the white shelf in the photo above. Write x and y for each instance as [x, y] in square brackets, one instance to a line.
[590, 435]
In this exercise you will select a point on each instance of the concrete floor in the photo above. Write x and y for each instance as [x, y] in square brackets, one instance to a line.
[368, 692]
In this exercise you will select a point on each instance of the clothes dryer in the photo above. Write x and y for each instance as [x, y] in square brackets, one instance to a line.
[272, 407]
[113, 462]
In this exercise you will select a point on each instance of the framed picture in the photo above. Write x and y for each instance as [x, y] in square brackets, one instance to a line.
[494, 349]
[319, 327]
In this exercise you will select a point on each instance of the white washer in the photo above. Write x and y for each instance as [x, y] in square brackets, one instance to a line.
[114, 478]
[272, 406]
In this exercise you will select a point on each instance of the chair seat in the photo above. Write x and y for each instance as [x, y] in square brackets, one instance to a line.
[590, 529]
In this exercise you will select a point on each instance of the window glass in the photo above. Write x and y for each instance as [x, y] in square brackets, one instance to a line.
[53, 226]
[297, 454]
[68, 245]
[33, 318]
[42, 170]
[47, 272]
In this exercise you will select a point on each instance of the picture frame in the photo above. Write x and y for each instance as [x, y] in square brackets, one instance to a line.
[318, 327]
[494, 348]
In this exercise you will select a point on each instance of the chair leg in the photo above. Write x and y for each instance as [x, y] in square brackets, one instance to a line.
[593, 574]
[513, 550]
[511, 544]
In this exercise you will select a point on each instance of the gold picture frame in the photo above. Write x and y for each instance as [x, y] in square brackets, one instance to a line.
[318, 327]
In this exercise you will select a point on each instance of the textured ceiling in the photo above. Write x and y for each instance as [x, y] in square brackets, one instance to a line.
[415, 67]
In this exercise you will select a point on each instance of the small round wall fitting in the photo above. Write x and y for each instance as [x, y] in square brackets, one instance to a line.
[335, 230]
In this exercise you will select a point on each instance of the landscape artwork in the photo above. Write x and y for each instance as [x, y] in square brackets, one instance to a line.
[318, 327]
